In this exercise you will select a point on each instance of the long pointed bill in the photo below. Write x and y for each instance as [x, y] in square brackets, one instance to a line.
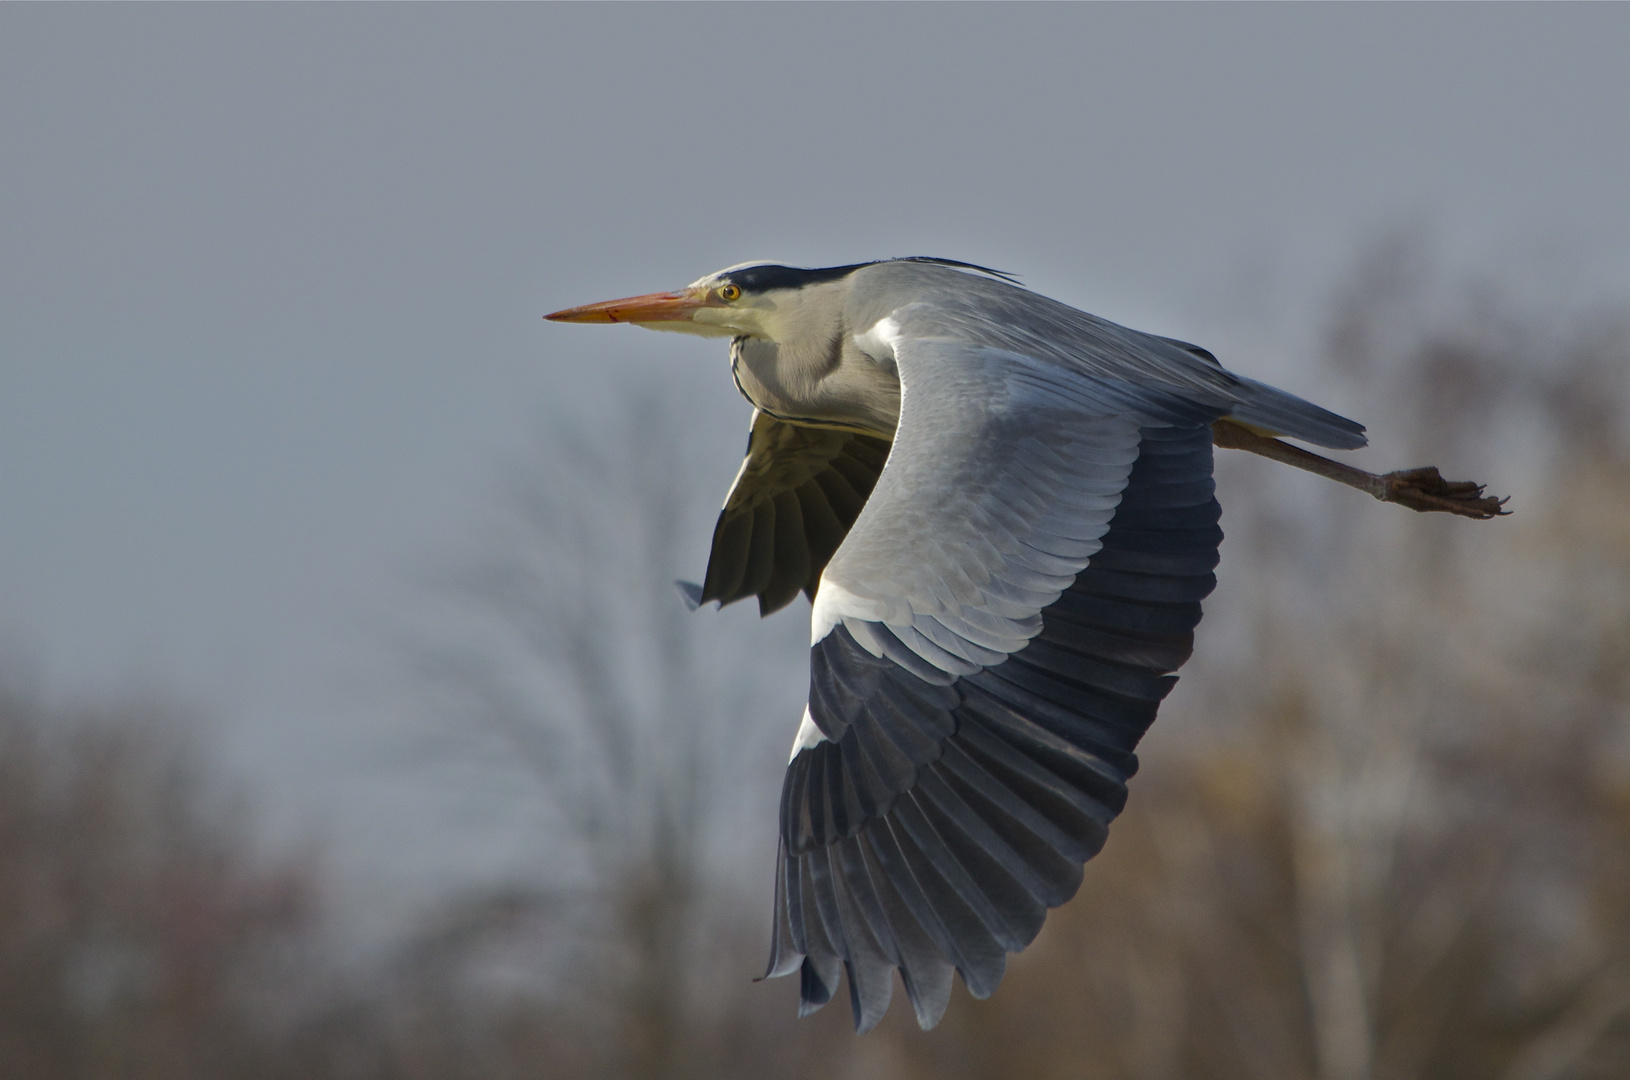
[650, 308]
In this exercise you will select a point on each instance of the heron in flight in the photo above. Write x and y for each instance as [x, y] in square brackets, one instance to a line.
[1003, 513]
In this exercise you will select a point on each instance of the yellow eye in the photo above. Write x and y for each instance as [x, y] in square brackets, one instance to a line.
[729, 292]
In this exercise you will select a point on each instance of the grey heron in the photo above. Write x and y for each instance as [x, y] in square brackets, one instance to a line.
[1003, 513]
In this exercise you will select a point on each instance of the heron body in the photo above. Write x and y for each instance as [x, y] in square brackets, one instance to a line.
[1002, 510]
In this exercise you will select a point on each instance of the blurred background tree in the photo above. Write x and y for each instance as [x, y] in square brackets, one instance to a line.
[139, 934]
[641, 724]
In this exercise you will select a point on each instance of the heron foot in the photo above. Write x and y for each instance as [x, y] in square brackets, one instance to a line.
[1426, 490]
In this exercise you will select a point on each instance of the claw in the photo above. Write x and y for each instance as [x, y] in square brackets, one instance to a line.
[1425, 490]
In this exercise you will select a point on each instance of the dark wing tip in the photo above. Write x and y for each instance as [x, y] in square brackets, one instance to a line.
[690, 593]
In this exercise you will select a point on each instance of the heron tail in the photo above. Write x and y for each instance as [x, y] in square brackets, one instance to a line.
[1274, 412]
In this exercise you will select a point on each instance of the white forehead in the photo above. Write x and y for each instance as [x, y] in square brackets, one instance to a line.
[717, 274]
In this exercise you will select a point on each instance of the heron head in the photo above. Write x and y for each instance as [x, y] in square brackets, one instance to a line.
[756, 299]
[788, 305]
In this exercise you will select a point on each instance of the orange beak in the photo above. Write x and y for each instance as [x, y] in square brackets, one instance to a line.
[650, 308]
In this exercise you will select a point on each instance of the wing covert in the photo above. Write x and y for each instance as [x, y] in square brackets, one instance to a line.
[1003, 477]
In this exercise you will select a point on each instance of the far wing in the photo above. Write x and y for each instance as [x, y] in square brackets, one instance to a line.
[797, 494]
[991, 641]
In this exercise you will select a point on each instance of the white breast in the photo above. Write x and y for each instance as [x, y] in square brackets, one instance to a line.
[878, 342]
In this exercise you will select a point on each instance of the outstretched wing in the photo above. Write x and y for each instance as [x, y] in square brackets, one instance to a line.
[991, 641]
[797, 494]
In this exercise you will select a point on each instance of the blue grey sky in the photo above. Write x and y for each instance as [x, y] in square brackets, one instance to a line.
[271, 276]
